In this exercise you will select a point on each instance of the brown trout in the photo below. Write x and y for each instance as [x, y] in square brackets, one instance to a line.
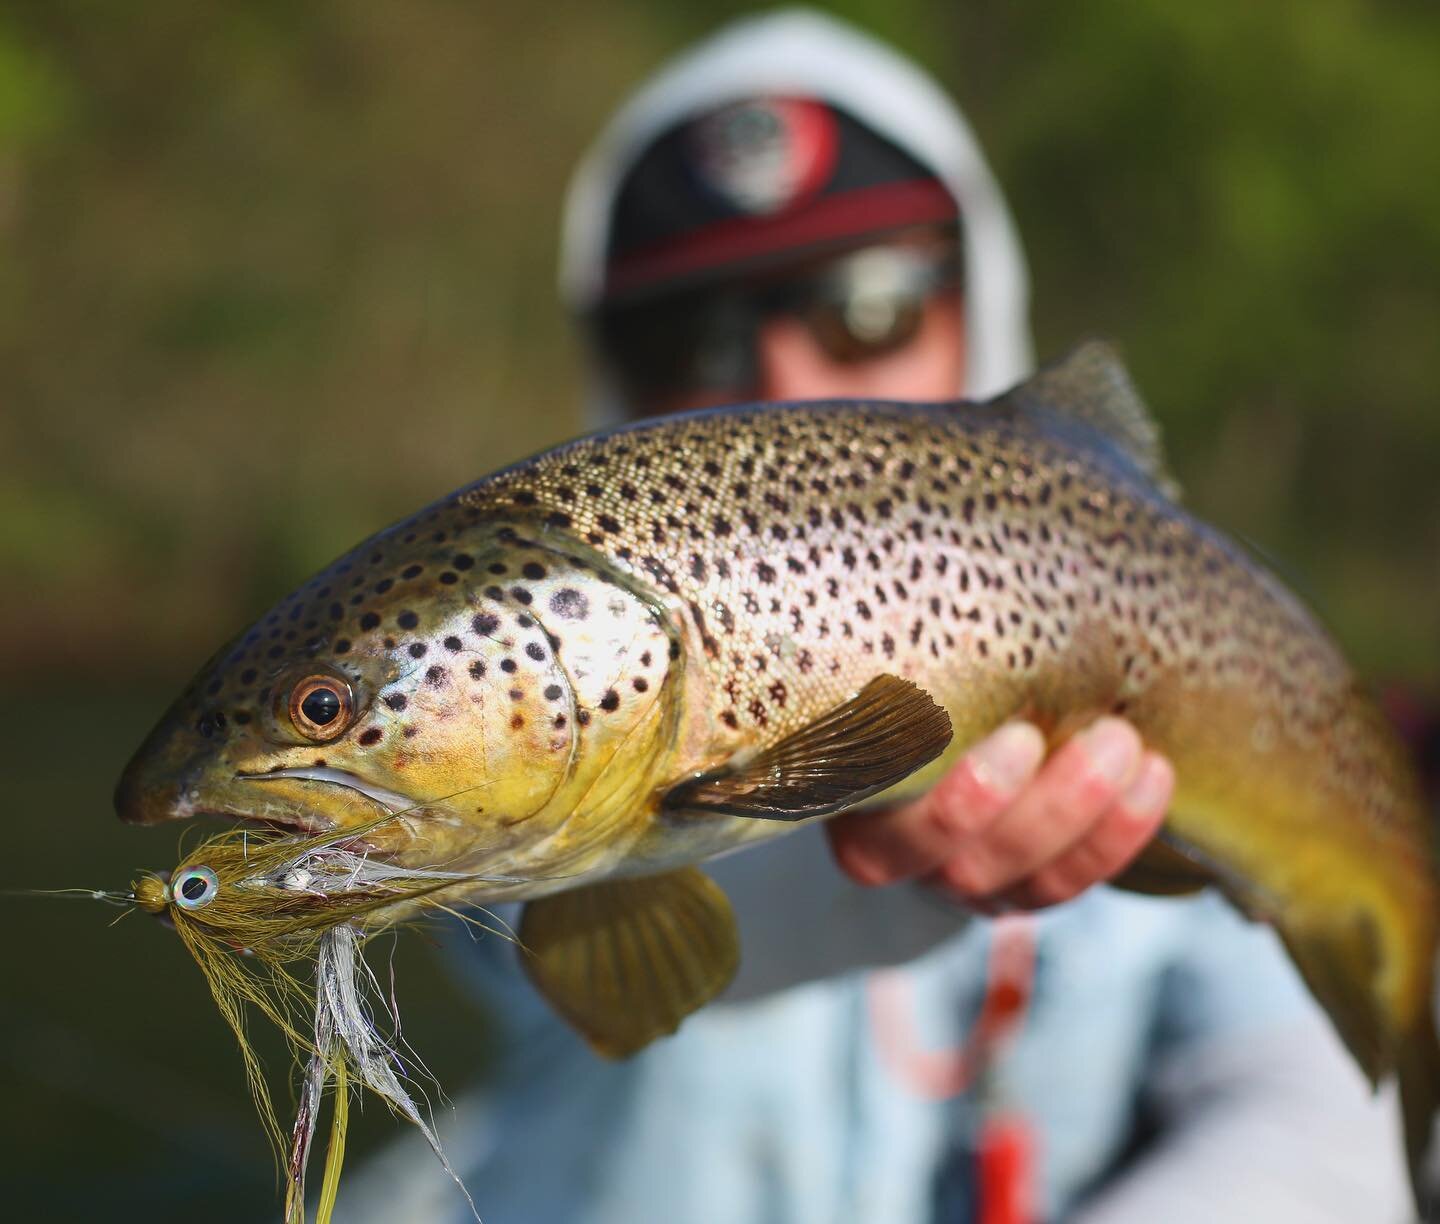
[571, 681]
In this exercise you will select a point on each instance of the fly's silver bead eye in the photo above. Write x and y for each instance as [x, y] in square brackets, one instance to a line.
[194, 887]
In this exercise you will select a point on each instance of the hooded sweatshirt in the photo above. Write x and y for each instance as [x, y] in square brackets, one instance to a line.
[797, 52]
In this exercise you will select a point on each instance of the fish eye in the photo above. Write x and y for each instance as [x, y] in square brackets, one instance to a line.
[321, 707]
[194, 887]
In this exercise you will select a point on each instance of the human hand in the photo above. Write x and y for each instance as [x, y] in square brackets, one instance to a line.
[1006, 828]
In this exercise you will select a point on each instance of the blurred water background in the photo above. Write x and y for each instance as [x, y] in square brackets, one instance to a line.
[274, 273]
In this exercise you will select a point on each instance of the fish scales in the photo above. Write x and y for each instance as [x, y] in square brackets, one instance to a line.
[968, 551]
[594, 666]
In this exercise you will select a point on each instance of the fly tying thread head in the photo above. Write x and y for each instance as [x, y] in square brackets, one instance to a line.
[151, 893]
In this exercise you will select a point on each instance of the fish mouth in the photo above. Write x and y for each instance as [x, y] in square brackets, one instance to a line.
[389, 803]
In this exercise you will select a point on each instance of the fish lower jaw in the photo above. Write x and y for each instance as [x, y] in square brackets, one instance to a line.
[273, 822]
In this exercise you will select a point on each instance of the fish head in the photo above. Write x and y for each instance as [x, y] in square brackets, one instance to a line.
[473, 687]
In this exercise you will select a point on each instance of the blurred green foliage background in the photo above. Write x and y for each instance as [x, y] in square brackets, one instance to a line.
[274, 273]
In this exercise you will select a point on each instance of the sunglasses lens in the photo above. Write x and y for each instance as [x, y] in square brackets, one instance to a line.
[865, 327]
[681, 344]
[872, 302]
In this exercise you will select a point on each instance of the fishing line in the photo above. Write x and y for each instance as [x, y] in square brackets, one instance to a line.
[108, 896]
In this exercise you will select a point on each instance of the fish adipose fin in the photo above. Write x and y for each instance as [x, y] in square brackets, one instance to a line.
[1092, 385]
[887, 731]
[625, 961]
[1340, 962]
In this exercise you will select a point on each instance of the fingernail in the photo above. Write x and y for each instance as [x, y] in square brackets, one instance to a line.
[1113, 749]
[1150, 788]
[1006, 759]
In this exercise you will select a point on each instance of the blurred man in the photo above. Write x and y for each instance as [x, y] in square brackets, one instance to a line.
[789, 212]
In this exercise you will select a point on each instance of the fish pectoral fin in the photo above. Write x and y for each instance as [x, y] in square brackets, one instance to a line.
[626, 960]
[889, 729]
[1163, 871]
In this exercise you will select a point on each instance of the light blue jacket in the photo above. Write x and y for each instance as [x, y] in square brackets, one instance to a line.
[780, 1107]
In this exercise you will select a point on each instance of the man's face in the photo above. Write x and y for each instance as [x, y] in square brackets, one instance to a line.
[882, 322]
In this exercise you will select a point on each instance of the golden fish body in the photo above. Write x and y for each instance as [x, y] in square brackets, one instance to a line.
[642, 649]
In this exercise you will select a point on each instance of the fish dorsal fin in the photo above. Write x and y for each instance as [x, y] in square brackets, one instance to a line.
[1092, 385]
[625, 961]
[889, 729]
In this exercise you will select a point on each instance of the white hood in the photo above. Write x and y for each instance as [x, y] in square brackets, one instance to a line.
[800, 52]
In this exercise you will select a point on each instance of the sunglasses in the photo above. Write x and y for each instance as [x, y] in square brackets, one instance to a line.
[857, 307]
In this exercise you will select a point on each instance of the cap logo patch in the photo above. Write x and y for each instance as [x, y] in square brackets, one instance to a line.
[764, 155]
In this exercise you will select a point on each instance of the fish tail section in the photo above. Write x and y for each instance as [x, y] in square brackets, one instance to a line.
[1378, 993]
[1417, 1066]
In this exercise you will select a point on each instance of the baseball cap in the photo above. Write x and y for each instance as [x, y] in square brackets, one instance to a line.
[754, 184]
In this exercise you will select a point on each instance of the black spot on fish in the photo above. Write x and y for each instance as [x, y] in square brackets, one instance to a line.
[535, 651]
[477, 670]
[611, 701]
[407, 620]
[369, 620]
[396, 701]
[411, 571]
[533, 570]
[570, 604]
[640, 684]
[452, 643]
[449, 577]
[522, 595]
[553, 692]
[507, 665]
[462, 561]
[485, 624]
[370, 737]
[342, 646]
[417, 650]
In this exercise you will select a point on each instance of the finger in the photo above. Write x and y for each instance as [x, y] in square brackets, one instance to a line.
[913, 839]
[1111, 845]
[1059, 808]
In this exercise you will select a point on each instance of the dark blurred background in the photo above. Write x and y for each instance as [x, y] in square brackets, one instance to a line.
[274, 273]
